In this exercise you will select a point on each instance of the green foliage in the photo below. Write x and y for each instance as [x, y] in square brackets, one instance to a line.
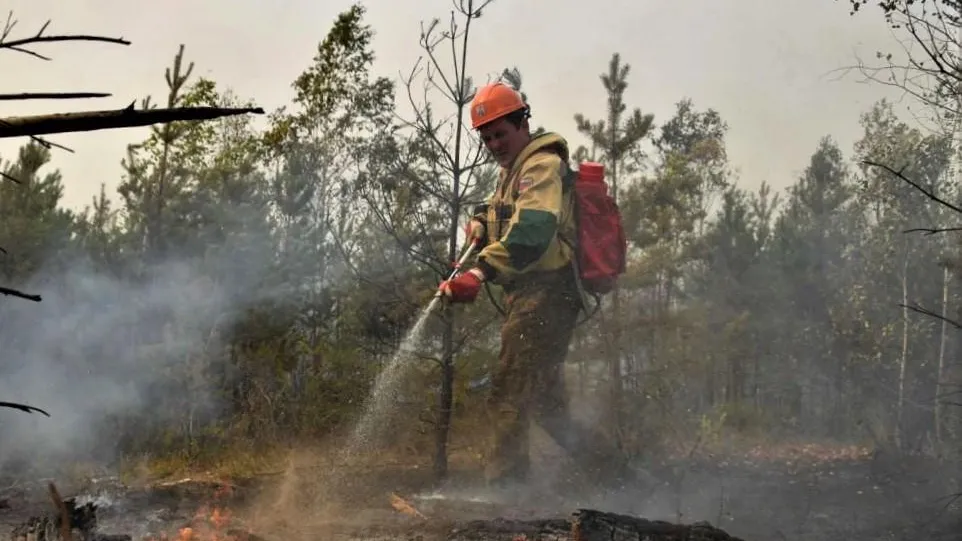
[35, 231]
[617, 137]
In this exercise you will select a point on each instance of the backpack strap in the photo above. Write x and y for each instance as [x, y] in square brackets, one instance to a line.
[568, 178]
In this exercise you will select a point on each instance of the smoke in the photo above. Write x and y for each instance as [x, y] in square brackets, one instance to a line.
[115, 359]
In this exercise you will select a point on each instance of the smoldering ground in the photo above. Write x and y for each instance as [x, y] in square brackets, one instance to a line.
[781, 492]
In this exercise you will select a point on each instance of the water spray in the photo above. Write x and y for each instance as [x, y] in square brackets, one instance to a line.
[383, 399]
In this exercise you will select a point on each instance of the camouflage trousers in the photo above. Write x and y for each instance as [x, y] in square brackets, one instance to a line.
[528, 383]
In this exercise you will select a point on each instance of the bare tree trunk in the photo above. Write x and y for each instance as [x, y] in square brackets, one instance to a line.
[615, 354]
[458, 168]
[839, 423]
[956, 176]
[903, 361]
[446, 396]
[738, 380]
[614, 363]
[940, 375]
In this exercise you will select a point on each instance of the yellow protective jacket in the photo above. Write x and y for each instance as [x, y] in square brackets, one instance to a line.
[530, 206]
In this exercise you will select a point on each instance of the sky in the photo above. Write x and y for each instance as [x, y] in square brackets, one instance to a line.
[767, 66]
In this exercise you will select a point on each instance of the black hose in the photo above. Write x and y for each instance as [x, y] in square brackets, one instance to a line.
[498, 307]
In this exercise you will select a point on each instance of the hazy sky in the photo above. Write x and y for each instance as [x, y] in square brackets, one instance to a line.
[763, 64]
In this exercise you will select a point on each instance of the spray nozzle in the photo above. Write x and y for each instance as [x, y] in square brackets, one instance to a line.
[459, 264]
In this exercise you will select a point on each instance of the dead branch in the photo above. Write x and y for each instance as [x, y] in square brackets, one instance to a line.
[926, 312]
[422, 122]
[19, 45]
[930, 72]
[932, 231]
[111, 119]
[14, 293]
[899, 173]
[53, 96]
[47, 144]
[22, 407]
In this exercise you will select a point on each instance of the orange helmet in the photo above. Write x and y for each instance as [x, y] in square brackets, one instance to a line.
[494, 101]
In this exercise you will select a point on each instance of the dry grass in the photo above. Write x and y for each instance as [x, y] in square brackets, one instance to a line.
[229, 463]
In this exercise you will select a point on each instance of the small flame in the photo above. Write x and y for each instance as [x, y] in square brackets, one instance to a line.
[210, 522]
[402, 506]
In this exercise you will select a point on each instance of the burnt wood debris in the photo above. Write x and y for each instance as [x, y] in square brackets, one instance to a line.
[73, 522]
[590, 525]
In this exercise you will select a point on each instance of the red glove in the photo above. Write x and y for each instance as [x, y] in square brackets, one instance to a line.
[463, 288]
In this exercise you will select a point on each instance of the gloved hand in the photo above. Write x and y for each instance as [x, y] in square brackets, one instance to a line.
[475, 231]
[464, 287]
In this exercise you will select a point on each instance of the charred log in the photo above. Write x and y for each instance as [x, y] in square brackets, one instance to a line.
[584, 525]
[589, 525]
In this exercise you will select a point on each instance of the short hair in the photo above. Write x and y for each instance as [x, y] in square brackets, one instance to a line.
[519, 116]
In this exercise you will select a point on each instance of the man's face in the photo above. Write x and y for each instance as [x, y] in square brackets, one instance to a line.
[503, 140]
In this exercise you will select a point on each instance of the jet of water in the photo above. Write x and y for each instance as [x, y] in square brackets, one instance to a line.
[383, 396]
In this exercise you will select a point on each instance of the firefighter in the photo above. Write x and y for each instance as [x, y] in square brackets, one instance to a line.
[521, 228]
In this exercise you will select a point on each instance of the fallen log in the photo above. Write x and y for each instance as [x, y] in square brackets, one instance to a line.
[112, 119]
[590, 525]
[583, 525]
[587, 525]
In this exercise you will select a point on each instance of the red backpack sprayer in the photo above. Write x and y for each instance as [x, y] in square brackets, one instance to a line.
[600, 246]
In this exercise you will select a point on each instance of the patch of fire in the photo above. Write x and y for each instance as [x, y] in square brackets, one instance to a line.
[211, 522]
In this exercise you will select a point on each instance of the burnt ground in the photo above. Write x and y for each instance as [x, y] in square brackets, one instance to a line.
[791, 495]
